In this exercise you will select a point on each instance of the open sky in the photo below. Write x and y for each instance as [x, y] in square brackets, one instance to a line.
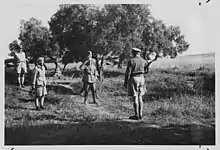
[199, 24]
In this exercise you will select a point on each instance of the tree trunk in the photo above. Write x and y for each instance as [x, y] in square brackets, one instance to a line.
[147, 69]
[101, 69]
[150, 62]
[28, 66]
[57, 72]
[64, 68]
[119, 65]
[144, 54]
[121, 59]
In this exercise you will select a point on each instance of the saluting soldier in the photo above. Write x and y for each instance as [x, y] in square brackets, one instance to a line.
[21, 66]
[135, 82]
[89, 78]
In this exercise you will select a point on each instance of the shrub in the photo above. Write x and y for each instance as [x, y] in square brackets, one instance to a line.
[209, 83]
[52, 98]
[167, 109]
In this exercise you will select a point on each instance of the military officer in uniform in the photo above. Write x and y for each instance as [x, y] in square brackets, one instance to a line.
[135, 82]
[39, 83]
[21, 66]
[89, 77]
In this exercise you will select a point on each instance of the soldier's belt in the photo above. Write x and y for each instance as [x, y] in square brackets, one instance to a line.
[137, 74]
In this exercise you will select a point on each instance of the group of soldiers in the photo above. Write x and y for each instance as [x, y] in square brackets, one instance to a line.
[134, 79]
[38, 79]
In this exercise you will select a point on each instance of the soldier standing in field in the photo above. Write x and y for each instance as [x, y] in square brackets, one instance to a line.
[21, 65]
[134, 81]
[89, 78]
[39, 83]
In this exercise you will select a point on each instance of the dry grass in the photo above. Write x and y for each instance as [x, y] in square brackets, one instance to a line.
[179, 108]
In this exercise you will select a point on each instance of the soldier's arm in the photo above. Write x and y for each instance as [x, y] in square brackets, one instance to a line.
[45, 66]
[15, 57]
[82, 66]
[96, 72]
[127, 73]
[25, 57]
[34, 77]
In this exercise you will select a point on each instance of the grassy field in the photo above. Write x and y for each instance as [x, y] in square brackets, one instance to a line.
[179, 108]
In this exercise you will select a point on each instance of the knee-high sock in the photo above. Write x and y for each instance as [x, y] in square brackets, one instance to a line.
[37, 102]
[42, 101]
[22, 79]
[19, 79]
[135, 104]
[85, 96]
[140, 109]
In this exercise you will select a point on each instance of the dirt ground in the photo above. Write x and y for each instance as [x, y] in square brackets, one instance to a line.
[56, 126]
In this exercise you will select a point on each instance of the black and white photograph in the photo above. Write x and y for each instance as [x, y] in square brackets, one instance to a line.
[136, 73]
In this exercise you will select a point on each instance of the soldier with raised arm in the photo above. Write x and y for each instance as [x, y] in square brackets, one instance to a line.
[135, 82]
[89, 77]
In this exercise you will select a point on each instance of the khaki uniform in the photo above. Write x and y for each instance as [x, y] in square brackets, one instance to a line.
[40, 80]
[134, 76]
[21, 65]
[90, 75]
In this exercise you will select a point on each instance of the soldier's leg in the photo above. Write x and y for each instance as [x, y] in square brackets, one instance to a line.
[140, 109]
[92, 86]
[22, 79]
[37, 103]
[44, 92]
[86, 93]
[141, 92]
[19, 79]
[37, 96]
[132, 87]
[42, 102]
[81, 91]
[24, 71]
[95, 91]
[97, 96]
[18, 71]
[135, 104]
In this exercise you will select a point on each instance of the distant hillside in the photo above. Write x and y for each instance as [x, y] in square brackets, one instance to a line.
[200, 55]
[197, 60]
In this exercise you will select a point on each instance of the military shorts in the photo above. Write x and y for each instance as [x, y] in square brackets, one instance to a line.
[40, 91]
[136, 86]
[21, 67]
[89, 86]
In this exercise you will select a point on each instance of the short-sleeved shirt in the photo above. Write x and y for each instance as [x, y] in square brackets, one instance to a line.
[134, 76]
[90, 72]
[39, 76]
[20, 57]
[136, 67]
[20, 60]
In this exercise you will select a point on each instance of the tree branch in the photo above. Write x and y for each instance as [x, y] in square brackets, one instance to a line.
[150, 62]
[155, 58]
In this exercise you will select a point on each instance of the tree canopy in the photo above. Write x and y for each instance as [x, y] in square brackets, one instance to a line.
[162, 41]
[110, 30]
[114, 29]
[34, 38]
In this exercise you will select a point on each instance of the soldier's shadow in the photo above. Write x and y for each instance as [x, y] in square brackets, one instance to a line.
[61, 89]
[26, 100]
